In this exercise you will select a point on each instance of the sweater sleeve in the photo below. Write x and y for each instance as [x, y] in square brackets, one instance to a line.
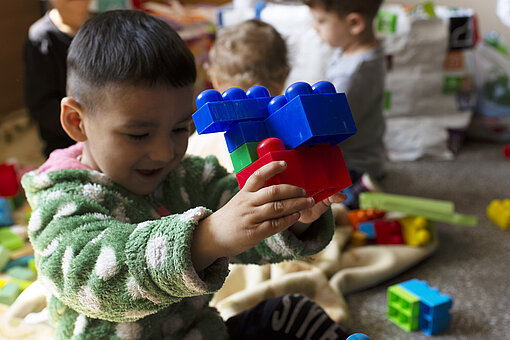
[95, 260]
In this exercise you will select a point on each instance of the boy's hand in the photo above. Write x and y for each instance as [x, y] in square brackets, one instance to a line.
[254, 214]
[310, 215]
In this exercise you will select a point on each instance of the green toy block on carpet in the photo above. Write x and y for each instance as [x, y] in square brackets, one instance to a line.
[9, 293]
[21, 273]
[10, 240]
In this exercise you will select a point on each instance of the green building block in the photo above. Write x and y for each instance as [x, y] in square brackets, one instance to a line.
[31, 265]
[403, 308]
[244, 155]
[386, 22]
[10, 240]
[5, 253]
[435, 210]
[21, 283]
[9, 293]
[21, 273]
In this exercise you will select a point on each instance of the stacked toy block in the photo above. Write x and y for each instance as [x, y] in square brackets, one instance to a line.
[413, 305]
[499, 212]
[302, 127]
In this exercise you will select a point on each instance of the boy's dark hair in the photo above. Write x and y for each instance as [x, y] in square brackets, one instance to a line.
[367, 8]
[126, 47]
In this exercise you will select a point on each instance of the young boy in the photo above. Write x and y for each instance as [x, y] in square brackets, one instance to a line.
[356, 68]
[45, 54]
[243, 55]
[125, 237]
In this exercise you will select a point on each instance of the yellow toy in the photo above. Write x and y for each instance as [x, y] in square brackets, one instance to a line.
[499, 212]
[414, 230]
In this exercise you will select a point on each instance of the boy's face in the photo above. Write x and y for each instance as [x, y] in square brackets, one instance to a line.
[331, 28]
[137, 135]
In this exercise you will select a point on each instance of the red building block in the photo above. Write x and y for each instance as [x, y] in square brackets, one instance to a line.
[9, 185]
[319, 169]
[506, 151]
[388, 232]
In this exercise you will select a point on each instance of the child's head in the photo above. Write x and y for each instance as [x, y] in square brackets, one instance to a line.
[130, 97]
[247, 54]
[344, 23]
[70, 5]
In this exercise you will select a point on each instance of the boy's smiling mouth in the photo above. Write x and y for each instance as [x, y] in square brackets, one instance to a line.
[150, 172]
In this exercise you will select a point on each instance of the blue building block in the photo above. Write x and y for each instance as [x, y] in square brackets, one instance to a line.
[310, 115]
[367, 228]
[245, 132]
[217, 112]
[358, 336]
[434, 306]
[5, 212]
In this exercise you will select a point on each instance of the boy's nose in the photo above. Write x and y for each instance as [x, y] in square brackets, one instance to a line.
[162, 151]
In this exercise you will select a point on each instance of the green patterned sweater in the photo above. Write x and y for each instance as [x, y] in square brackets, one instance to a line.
[117, 269]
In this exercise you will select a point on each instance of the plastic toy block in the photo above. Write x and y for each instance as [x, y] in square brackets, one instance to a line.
[217, 112]
[499, 213]
[388, 232]
[359, 239]
[363, 215]
[10, 240]
[358, 336]
[19, 262]
[31, 265]
[309, 115]
[21, 283]
[244, 155]
[367, 228]
[4, 256]
[403, 308]
[245, 132]
[415, 231]
[9, 185]
[9, 293]
[506, 151]
[21, 273]
[435, 210]
[5, 212]
[319, 169]
[434, 306]
[2, 283]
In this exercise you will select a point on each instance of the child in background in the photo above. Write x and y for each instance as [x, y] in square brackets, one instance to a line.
[357, 68]
[130, 237]
[45, 54]
[243, 55]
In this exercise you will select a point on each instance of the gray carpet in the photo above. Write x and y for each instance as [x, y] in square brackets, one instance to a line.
[471, 264]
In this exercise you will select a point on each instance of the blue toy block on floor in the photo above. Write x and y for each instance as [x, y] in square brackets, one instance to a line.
[367, 228]
[434, 306]
[309, 115]
[216, 112]
[358, 336]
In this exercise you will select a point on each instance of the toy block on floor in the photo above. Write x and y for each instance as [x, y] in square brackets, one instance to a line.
[435, 210]
[5, 254]
[309, 115]
[216, 112]
[388, 232]
[367, 228]
[9, 293]
[5, 212]
[319, 169]
[415, 231]
[499, 212]
[244, 155]
[10, 240]
[434, 307]
[363, 215]
[20, 273]
[403, 308]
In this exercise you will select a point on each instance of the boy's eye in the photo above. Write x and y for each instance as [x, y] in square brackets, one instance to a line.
[181, 130]
[138, 137]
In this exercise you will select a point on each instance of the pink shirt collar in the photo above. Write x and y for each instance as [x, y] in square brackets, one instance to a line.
[64, 159]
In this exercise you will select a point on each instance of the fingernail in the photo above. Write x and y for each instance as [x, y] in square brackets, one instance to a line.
[303, 192]
[283, 163]
[311, 200]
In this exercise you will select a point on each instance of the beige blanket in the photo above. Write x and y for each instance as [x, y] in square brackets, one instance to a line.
[325, 278]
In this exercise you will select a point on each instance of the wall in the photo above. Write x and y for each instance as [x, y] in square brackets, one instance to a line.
[15, 18]
[485, 10]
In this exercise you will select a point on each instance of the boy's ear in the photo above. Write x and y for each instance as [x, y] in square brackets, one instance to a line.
[71, 118]
[356, 23]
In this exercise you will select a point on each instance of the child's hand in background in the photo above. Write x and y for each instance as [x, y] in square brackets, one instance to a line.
[254, 214]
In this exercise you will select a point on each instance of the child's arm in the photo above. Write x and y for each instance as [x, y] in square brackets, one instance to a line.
[255, 214]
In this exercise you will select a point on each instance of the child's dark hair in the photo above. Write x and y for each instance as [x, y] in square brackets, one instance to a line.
[367, 8]
[126, 47]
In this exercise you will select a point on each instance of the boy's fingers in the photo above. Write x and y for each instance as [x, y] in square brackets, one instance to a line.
[277, 209]
[278, 193]
[339, 197]
[276, 225]
[258, 179]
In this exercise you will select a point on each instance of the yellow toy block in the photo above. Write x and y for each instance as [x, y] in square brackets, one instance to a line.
[415, 231]
[358, 239]
[2, 283]
[499, 212]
